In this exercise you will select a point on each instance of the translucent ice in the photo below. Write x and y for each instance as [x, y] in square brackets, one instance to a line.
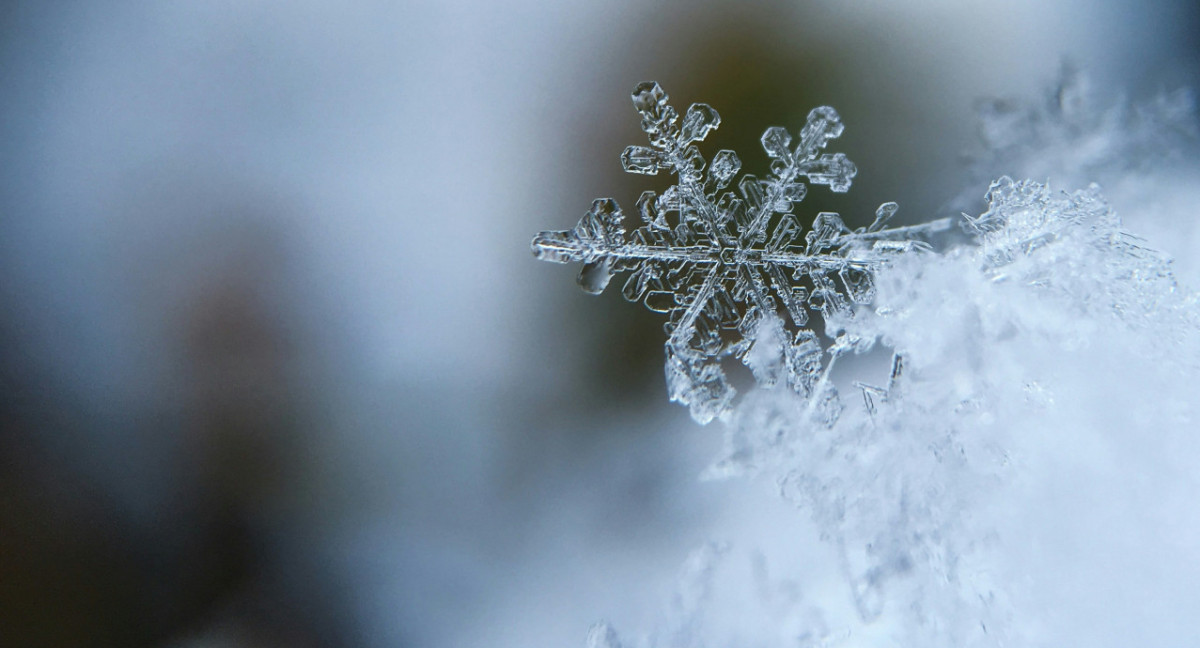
[718, 262]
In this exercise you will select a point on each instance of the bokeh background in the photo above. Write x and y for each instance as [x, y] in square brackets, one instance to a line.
[276, 365]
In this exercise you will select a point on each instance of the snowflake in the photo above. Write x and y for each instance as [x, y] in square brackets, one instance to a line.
[725, 263]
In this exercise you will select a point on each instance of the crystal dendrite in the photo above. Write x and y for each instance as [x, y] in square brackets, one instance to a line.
[722, 263]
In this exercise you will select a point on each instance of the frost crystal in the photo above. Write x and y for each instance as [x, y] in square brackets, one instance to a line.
[721, 263]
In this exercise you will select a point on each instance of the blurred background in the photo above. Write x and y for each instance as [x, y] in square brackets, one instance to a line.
[276, 365]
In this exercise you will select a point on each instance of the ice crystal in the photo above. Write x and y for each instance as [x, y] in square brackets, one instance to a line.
[721, 263]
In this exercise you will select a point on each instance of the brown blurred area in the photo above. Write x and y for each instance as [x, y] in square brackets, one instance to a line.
[202, 569]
